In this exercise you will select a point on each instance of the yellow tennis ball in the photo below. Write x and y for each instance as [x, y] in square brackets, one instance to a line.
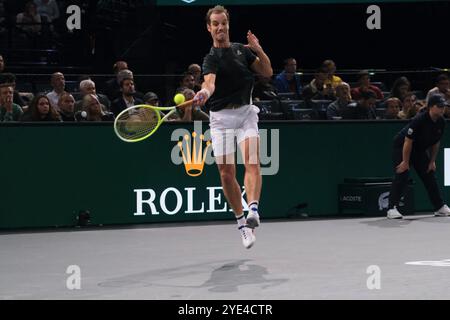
[179, 98]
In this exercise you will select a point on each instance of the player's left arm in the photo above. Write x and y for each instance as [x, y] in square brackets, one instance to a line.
[262, 63]
[434, 149]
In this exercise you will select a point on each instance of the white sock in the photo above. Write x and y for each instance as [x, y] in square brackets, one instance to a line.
[241, 220]
[253, 207]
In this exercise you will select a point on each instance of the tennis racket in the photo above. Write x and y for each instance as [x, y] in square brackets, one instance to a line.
[139, 122]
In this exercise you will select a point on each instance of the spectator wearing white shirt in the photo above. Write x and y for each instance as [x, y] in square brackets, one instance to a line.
[58, 83]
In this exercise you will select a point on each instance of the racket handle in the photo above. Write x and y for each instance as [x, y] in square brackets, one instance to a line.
[185, 104]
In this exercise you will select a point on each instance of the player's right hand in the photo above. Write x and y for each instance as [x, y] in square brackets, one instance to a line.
[201, 97]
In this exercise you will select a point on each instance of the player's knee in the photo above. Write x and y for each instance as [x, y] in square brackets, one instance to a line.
[227, 175]
[253, 168]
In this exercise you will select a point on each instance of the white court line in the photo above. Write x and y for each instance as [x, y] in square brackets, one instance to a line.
[438, 263]
[447, 167]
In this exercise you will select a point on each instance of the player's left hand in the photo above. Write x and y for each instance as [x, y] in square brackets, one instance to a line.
[432, 167]
[253, 42]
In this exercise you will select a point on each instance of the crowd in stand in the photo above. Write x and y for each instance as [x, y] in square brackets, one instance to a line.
[86, 103]
[326, 96]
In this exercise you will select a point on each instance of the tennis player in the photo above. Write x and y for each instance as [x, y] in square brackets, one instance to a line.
[227, 88]
[417, 144]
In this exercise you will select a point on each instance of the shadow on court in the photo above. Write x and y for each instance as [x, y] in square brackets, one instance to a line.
[224, 276]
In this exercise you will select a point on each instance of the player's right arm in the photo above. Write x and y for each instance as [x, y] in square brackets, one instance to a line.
[406, 154]
[208, 87]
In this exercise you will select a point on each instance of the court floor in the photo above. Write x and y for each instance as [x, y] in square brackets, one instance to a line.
[368, 258]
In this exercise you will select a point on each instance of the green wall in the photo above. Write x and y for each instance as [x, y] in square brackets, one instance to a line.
[51, 172]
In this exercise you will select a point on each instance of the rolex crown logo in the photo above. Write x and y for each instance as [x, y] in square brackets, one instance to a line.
[195, 160]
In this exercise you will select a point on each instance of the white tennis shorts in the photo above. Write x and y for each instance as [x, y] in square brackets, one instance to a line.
[229, 126]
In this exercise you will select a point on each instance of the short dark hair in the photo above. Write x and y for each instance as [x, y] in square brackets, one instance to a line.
[363, 73]
[286, 61]
[216, 9]
[124, 79]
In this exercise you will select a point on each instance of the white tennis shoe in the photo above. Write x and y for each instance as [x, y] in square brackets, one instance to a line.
[248, 236]
[394, 214]
[252, 219]
[444, 211]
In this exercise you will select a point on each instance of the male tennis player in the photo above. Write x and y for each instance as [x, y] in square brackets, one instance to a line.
[418, 144]
[228, 73]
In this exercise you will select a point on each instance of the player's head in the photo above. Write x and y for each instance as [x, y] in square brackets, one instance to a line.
[217, 23]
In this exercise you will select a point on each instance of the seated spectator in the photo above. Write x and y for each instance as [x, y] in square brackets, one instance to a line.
[48, 8]
[49, 11]
[288, 80]
[189, 113]
[40, 110]
[2, 64]
[336, 109]
[9, 111]
[263, 89]
[10, 79]
[187, 82]
[196, 70]
[88, 87]
[410, 106]
[364, 85]
[29, 21]
[442, 86]
[66, 105]
[112, 87]
[393, 106]
[400, 88]
[317, 89]
[364, 108]
[127, 99]
[58, 84]
[151, 98]
[330, 67]
[92, 110]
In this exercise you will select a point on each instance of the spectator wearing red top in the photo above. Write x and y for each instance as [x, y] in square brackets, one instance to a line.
[364, 85]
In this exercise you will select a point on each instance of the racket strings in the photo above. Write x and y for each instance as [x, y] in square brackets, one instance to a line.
[137, 123]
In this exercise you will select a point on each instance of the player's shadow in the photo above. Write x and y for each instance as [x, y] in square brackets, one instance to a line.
[230, 276]
[225, 278]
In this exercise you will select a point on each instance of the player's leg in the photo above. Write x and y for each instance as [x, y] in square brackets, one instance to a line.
[232, 192]
[398, 187]
[430, 183]
[223, 144]
[252, 179]
[248, 139]
[230, 186]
